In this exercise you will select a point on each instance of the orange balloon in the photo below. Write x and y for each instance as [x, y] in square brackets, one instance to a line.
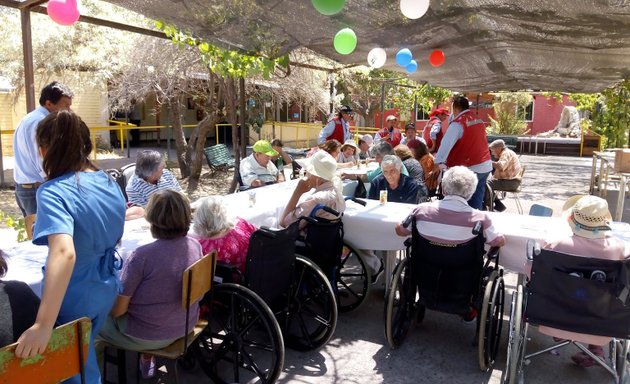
[436, 58]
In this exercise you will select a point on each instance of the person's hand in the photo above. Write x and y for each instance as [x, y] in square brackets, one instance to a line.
[33, 341]
[256, 183]
[303, 186]
[402, 231]
[345, 176]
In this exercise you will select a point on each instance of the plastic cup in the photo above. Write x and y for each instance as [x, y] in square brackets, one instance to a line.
[252, 198]
[383, 197]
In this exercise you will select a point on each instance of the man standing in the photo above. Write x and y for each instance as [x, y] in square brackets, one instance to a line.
[390, 133]
[28, 172]
[338, 128]
[465, 144]
[257, 169]
[507, 171]
[432, 132]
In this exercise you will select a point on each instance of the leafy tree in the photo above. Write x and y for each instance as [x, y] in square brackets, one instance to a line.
[507, 121]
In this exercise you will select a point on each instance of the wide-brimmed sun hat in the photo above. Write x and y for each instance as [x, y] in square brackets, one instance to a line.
[263, 146]
[349, 143]
[588, 216]
[322, 165]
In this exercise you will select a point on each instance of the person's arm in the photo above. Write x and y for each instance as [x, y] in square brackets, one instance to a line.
[120, 306]
[59, 267]
[280, 177]
[453, 133]
[134, 212]
[302, 187]
[502, 162]
[435, 129]
[326, 131]
[285, 157]
[377, 138]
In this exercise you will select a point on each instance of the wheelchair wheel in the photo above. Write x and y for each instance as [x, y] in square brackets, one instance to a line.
[513, 372]
[243, 341]
[491, 320]
[400, 308]
[311, 318]
[353, 280]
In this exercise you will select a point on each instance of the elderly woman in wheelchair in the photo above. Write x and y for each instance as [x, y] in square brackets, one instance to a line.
[445, 268]
[577, 292]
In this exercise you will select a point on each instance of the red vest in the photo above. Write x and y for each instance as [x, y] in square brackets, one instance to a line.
[426, 134]
[396, 136]
[472, 147]
[338, 133]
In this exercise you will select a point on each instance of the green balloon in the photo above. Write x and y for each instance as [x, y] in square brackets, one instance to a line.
[328, 7]
[345, 41]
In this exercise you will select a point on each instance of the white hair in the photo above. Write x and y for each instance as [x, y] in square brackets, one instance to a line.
[459, 181]
[391, 159]
[211, 217]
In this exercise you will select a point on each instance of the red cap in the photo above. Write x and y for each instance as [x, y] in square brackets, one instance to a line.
[439, 111]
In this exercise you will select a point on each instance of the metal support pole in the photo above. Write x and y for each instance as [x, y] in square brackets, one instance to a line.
[27, 50]
[415, 110]
[382, 104]
[331, 82]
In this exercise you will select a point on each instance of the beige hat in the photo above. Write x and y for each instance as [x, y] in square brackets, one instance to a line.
[351, 143]
[588, 216]
[391, 117]
[322, 165]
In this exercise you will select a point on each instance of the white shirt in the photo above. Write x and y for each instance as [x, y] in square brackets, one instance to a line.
[250, 170]
[28, 162]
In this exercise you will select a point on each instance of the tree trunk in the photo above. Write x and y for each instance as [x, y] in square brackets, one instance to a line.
[180, 139]
[243, 116]
[230, 99]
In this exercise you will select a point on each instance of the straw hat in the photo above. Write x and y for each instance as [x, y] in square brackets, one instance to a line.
[588, 216]
[322, 165]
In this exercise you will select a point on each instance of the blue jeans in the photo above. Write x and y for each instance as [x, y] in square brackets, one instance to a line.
[26, 199]
[476, 201]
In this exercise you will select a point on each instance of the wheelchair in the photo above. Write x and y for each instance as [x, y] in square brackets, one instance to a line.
[447, 278]
[564, 294]
[345, 268]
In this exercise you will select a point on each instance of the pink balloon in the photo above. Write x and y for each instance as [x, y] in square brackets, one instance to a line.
[64, 12]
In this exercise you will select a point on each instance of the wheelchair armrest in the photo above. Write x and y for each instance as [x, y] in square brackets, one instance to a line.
[227, 273]
[477, 228]
[407, 221]
[358, 201]
[325, 208]
[493, 253]
[268, 232]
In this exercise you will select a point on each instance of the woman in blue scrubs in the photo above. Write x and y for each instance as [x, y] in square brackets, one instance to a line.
[80, 216]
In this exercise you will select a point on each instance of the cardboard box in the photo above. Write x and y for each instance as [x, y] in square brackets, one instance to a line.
[622, 160]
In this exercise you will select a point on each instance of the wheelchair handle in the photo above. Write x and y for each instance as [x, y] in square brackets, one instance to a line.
[326, 209]
[407, 221]
[360, 202]
[477, 228]
[533, 249]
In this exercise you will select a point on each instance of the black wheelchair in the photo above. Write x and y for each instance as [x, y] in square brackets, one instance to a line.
[322, 242]
[571, 293]
[447, 278]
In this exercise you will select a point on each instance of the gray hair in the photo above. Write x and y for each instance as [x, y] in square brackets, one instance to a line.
[147, 163]
[500, 144]
[382, 148]
[211, 218]
[391, 159]
[459, 181]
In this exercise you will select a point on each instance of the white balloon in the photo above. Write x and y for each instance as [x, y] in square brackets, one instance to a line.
[377, 57]
[414, 9]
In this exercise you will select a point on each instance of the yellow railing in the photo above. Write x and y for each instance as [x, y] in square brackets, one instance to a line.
[301, 134]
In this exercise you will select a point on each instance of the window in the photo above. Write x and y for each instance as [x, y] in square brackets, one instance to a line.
[528, 113]
[421, 114]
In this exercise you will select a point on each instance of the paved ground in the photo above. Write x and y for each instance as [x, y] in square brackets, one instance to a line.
[440, 350]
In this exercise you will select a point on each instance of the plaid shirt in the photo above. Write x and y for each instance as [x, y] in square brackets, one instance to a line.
[508, 166]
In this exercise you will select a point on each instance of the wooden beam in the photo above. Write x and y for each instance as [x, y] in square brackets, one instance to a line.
[31, 3]
[27, 51]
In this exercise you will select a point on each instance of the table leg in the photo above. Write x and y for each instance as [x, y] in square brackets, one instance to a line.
[622, 196]
[591, 189]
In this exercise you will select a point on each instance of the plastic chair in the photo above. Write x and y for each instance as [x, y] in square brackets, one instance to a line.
[64, 357]
[540, 210]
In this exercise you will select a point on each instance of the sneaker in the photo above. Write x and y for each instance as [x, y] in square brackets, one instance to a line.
[471, 316]
[378, 273]
[147, 366]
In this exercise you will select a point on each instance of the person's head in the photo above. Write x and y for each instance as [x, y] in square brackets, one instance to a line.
[391, 167]
[263, 152]
[459, 181]
[149, 166]
[368, 139]
[56, 96]
[58, 132]
[321, 168]
[3, 264]
[277, 144]
[441, 113]
[418, 148]
[380, 149]
[410, 131]
[391, 121]
[496, 147]
[588, 216]
[168, 212]
[211, 218]
[332, 147]
[345, 112]
[349, 148]
[403, 152]
[460, 104]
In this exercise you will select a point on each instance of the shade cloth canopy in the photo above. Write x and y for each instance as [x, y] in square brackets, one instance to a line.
[490, 45]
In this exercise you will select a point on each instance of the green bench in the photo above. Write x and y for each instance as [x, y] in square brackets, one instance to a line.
[218, 157]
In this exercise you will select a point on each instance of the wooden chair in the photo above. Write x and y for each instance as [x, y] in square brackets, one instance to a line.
[195, 284]
[218, 157]
[29, 221]
[64, 357]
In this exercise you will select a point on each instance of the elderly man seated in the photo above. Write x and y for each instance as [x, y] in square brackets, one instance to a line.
[400, 188]
[451, 220]
[507, 171]
[257, 169]
[149, 177]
